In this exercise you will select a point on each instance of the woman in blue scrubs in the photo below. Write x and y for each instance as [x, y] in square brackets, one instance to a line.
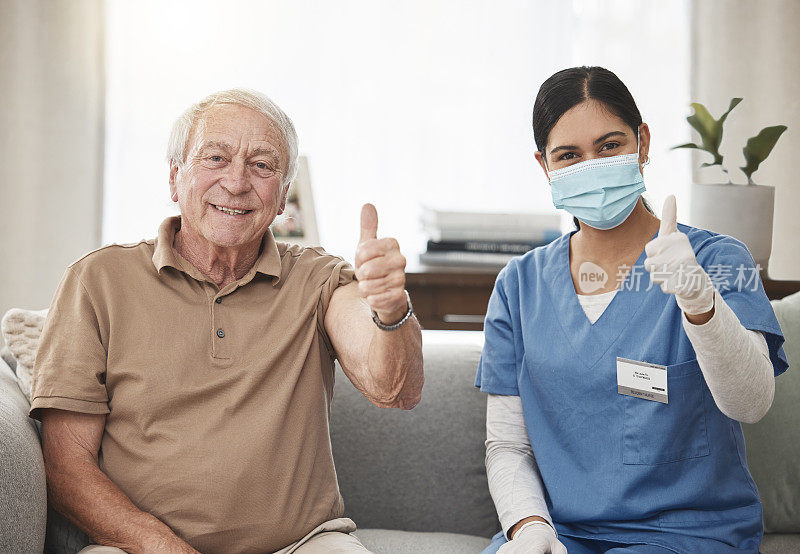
[620, 358]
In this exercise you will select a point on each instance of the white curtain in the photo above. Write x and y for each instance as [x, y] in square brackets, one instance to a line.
[402, 104]
[51, 140]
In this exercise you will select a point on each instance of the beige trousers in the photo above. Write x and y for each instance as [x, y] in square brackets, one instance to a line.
[330, 537]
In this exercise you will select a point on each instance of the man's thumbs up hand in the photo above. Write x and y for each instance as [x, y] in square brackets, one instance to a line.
[380, 270]
[369, 222]
[673, 265]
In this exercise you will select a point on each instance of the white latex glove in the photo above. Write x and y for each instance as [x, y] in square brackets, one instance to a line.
[672, 264]
[534, 539]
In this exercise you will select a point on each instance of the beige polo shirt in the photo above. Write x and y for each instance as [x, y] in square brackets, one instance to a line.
[218, 401]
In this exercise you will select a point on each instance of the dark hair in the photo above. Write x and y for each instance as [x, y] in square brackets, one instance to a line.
[569, 87]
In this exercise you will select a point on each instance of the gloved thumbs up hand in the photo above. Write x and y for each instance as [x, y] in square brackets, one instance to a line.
[673, 265]
[380, 270]
[669, 216]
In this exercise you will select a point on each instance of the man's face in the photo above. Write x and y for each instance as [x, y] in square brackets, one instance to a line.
[235, 162]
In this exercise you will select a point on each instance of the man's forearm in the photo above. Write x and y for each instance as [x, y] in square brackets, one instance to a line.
[88, 498]
[395, 362]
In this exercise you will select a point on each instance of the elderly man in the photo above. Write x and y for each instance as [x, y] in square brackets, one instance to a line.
[184, 383]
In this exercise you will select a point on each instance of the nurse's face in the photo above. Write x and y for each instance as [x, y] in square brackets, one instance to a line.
[588, 131]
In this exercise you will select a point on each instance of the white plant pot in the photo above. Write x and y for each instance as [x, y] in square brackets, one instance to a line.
[744, 212]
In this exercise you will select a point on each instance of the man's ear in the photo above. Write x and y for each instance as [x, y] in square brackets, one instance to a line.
[173, 187]
[283, 198]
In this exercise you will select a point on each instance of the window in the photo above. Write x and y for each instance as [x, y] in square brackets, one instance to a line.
[399, 104]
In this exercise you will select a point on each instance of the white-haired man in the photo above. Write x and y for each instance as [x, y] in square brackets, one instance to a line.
[184, 382]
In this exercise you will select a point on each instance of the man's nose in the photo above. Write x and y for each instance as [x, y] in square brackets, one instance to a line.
[236, 180]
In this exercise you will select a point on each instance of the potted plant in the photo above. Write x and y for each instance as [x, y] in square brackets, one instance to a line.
[743, 211]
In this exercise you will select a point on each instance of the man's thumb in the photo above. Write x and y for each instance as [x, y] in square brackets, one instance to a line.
[369, 222]
[669, 216]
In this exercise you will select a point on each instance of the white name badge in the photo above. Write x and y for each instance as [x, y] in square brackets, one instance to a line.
[642, 380]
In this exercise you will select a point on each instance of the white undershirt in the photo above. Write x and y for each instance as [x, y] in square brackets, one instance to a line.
[736, 367]
[595, 304]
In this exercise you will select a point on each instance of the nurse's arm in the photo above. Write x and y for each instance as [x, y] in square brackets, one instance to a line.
[700, 319]
[516, 526]
[735, 363]
[514, 479]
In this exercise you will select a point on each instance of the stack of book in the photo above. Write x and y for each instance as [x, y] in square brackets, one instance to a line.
[484, 239]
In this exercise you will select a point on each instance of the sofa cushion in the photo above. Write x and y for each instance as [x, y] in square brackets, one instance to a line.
[22, 482]
[8, 358]
[780, 544]
[21, 331]
[773, 444]
[62, 536]
[423, 469]
[382, 541]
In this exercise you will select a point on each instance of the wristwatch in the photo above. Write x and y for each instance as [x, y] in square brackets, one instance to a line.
[383, 327]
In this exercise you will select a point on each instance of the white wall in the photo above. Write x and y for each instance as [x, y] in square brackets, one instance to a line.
[752, 50]
[396, 103]
[647, 43]
[51, 139]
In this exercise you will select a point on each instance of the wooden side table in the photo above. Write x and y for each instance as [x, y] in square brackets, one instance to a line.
[455, 298]
[450, 297]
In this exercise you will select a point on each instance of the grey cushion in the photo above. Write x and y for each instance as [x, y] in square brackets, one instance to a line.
[8, 358]
[22, 480]
[773, 444]
[423, 469]
[381, 541]
[23, 497]
[62, 537]
[780, 544]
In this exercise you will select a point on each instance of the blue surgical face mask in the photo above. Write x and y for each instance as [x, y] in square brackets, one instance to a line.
[601, 192]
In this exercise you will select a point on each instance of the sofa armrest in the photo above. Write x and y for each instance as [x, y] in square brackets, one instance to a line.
[23, 495]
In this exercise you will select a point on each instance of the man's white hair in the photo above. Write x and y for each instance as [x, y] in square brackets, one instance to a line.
[181, 129]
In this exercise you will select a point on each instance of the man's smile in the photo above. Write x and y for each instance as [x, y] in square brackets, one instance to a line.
[231, 211]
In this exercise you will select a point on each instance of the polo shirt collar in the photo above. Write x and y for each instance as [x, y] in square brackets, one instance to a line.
[268, 262]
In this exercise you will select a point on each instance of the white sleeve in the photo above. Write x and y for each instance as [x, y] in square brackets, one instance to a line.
[735, 363]
[514, 480]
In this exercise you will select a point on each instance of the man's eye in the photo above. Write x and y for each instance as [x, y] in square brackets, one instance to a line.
[567, 156]
[264, 169]
[610, 145]
[214, 160]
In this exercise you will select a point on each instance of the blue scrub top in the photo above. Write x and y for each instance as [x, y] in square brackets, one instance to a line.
[616, 467]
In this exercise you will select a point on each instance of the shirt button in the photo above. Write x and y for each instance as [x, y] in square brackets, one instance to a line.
[221, 333]
[218, 300]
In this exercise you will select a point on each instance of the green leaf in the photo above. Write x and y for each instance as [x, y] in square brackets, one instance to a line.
[704, 124]
[710, 129]
[734, 103]
[696, 147]
[687, 145]
[759, 147]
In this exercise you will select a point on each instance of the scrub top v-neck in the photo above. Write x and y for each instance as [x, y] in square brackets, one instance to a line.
[591, 340]
[616, 467]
